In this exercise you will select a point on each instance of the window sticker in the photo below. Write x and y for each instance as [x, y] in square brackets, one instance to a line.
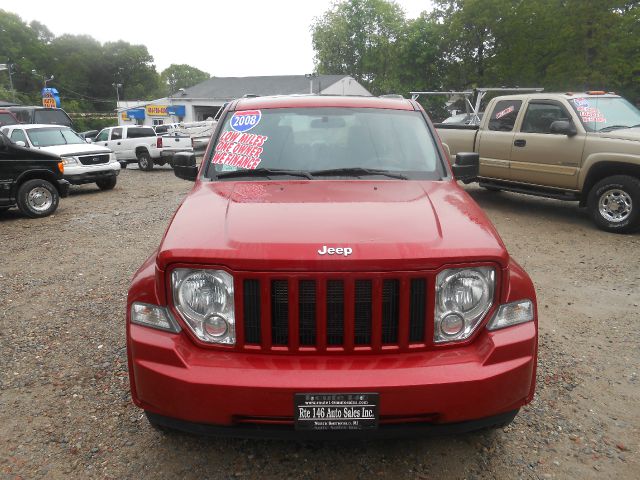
[240, 150]
[245, 120]
[504, 112]
[581, 102]
[589, 114]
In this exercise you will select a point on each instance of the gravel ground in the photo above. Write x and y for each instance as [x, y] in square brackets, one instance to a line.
[65, 410]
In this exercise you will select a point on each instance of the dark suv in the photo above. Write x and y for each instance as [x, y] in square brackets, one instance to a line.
[35, 114]
[30, 179]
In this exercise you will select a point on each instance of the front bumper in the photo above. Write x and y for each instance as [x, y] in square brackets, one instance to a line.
[91, 177]
[284, 432]
[182, 384]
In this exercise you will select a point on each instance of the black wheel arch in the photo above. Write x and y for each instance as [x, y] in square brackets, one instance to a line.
[605, 169]
[37, 174]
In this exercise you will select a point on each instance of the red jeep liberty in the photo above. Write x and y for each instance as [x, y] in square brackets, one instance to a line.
[327, 277]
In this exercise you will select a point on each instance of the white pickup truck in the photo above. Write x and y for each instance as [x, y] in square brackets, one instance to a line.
[142, 145]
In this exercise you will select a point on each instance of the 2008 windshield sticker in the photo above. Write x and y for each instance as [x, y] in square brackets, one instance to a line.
[245, 120]
[240, 150]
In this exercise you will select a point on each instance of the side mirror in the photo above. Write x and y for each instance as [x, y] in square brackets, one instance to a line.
[467, 166]
[184, 166]
[20, 143]
[563, 127]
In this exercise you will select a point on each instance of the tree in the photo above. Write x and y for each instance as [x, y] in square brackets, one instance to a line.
[132, 66]
[361, 38]
[181, 76]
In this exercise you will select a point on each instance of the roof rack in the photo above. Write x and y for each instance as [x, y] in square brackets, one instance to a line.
[472, 107]
[396, 96]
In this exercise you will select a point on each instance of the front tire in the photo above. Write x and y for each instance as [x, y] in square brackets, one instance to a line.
[144, 161]
[107, 183]
[614, 204]
[37, 198]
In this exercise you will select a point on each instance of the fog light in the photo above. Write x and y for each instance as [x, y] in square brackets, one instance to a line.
[215, 326]
[452, 324]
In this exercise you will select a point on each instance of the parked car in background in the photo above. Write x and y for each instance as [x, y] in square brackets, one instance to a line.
[327, 276]
[582, 147]
[142, 145]
[84, 162]
[90, 134]
[31, 180]
[41, 115]
[7, 118]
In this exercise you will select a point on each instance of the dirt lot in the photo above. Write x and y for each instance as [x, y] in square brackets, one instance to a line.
[65, 410]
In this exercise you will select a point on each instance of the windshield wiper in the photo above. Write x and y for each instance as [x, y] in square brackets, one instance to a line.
[357, 171]
[263, 172]
[613, 127]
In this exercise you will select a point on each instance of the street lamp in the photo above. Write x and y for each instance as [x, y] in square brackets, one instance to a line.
[44, 77]
[311, 76]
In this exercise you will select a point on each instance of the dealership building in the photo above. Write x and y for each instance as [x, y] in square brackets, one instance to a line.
[203, 101]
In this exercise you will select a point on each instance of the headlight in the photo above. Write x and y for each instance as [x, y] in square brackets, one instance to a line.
[463, 297]
[512, 314]
[70, 161]
[153, 316]
[204, 299]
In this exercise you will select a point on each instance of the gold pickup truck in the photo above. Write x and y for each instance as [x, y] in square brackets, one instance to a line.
[582, 147]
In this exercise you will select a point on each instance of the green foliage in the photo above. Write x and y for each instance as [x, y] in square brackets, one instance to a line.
[181, 76]
[360, 38]
[85, 72]
[561, 45]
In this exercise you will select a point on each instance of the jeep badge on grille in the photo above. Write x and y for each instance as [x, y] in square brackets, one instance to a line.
[346, 251]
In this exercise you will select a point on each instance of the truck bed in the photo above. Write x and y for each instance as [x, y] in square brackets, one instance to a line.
[459, 138]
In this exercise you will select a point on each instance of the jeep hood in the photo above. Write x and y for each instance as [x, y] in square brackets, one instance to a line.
[272, 225]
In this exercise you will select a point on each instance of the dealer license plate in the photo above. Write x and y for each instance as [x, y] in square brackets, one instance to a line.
[336, 411]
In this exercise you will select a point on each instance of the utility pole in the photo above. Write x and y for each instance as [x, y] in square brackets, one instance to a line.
[9, 67]
[117, 86]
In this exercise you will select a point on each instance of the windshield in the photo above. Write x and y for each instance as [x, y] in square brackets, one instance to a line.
[364, 141]
[7, 119]
[605, 113]
[56, 117]
[49, 137]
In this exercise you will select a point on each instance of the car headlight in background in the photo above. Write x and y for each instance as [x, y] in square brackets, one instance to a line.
[205, 301]
[66, 161]
[463, 298]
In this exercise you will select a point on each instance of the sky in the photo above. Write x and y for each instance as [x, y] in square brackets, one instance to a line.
[224, 39]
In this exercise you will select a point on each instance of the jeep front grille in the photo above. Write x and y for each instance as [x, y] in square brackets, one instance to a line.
[341, 312]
